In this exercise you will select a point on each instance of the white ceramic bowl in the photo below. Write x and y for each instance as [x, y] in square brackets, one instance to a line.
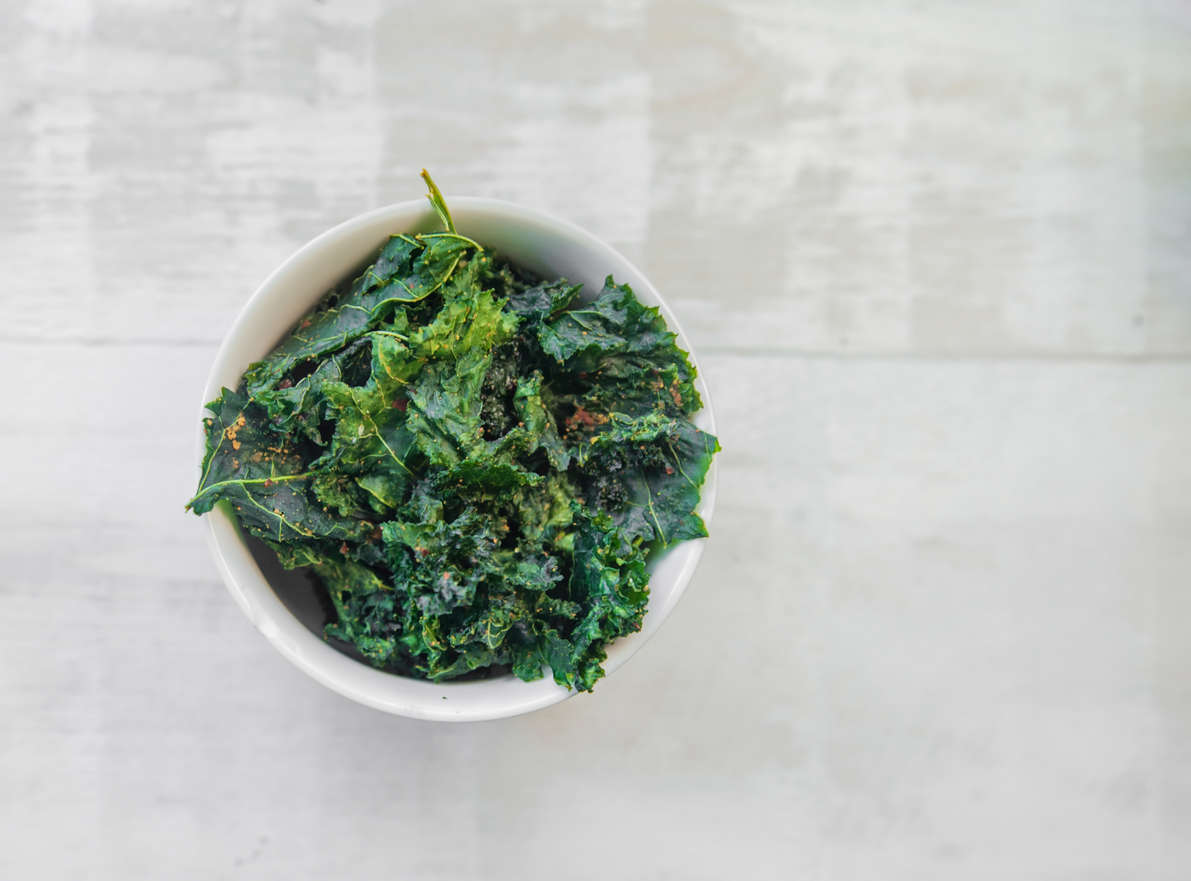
[282, 604]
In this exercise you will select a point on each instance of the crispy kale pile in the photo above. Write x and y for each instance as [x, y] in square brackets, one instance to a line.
[477, 464]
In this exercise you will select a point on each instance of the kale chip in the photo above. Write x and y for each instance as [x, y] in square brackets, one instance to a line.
[476, 463]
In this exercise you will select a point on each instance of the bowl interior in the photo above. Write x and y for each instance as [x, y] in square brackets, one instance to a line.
[285, 605]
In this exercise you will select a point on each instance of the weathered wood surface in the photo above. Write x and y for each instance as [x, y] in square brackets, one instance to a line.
[936, 259]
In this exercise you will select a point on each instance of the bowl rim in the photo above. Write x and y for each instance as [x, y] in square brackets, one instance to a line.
[391, 693]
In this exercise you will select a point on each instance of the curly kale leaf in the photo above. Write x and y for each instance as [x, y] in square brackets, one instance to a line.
[408, 270]
[621, 356]
[543, 300]
[264, 477]
[648, 473]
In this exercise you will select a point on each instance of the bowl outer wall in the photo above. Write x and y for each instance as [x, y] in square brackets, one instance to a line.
[530, 238]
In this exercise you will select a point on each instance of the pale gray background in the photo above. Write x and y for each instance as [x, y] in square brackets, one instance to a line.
[936, 258]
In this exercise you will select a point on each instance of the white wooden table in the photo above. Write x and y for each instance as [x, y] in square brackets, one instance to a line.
[936, 259]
